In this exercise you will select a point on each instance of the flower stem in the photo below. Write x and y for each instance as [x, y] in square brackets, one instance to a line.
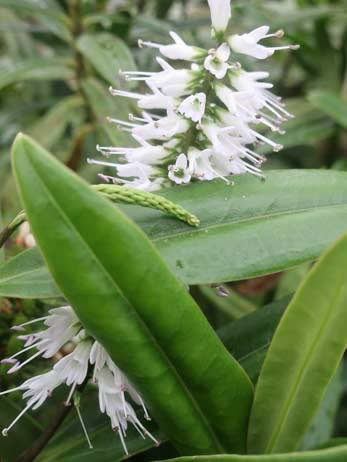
[7, 232]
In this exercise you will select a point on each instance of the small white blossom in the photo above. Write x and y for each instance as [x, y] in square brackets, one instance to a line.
[216, 61]
[25, 237]
[72, 369]
[178, 50]
[247, 44]
[200, 164]
[220, 14]
[193, 107]
[179, 172]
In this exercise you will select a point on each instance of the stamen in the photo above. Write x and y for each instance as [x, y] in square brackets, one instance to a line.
[100, 162]
[20, 326]
[6, 430]
[77, 406]
[67, 402]
[18, 366]
[11, 390]
[121, 122]
[127, 94]
[122, 440]
[142, 44]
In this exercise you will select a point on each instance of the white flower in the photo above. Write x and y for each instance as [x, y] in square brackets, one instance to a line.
[209, 127]
[146, 154]
[24, 237]
[193, 107]
[200, 165]
[156, 100]
[73, 369]
[162, 129]
[248, 43]
[220, 14]
[216, 61]
[171, 81]
[178, 50]
[179, 172]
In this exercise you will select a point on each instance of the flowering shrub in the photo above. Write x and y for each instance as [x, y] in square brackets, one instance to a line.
[163, 297]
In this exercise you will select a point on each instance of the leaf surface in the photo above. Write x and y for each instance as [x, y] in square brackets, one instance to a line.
[35, 69]
[128, 299]
[248, 230]
[26, 276]
[303, 356]
[337, 454]
[330, 103]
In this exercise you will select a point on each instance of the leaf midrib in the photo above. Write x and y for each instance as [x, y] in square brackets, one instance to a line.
[243, 220]
[302, 371]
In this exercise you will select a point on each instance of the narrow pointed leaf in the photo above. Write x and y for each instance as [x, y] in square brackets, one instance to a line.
[128, 299]
[332, 104]
[303, 357]
[248, 230]
[26, 276]
[35, 69]
[252, 228]
[337, 454]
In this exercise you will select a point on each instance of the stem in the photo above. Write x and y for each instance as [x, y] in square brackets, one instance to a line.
[75, 15]
[7, 232]
[77, 150]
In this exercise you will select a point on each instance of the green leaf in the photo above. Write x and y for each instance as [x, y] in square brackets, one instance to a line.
[25, 276]
[303, 357]
[322, 426]
[337, 454]
[50, 128]
[128, 299]
[251, 229]
[330, 103]
[35, 69]
[48, 14]
[249, 338]
[104, 105]
[108, 54]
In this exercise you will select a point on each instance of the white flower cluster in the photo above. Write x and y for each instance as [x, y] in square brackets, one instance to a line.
[205, 117]
[63, 327]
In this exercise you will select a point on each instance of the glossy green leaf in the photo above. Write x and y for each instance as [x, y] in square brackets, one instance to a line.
[128, 299]
[338, 454]
[303, 357]
[35, 69]
[250, 229]
[25, 276]
[330, 103]
[108, 54]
